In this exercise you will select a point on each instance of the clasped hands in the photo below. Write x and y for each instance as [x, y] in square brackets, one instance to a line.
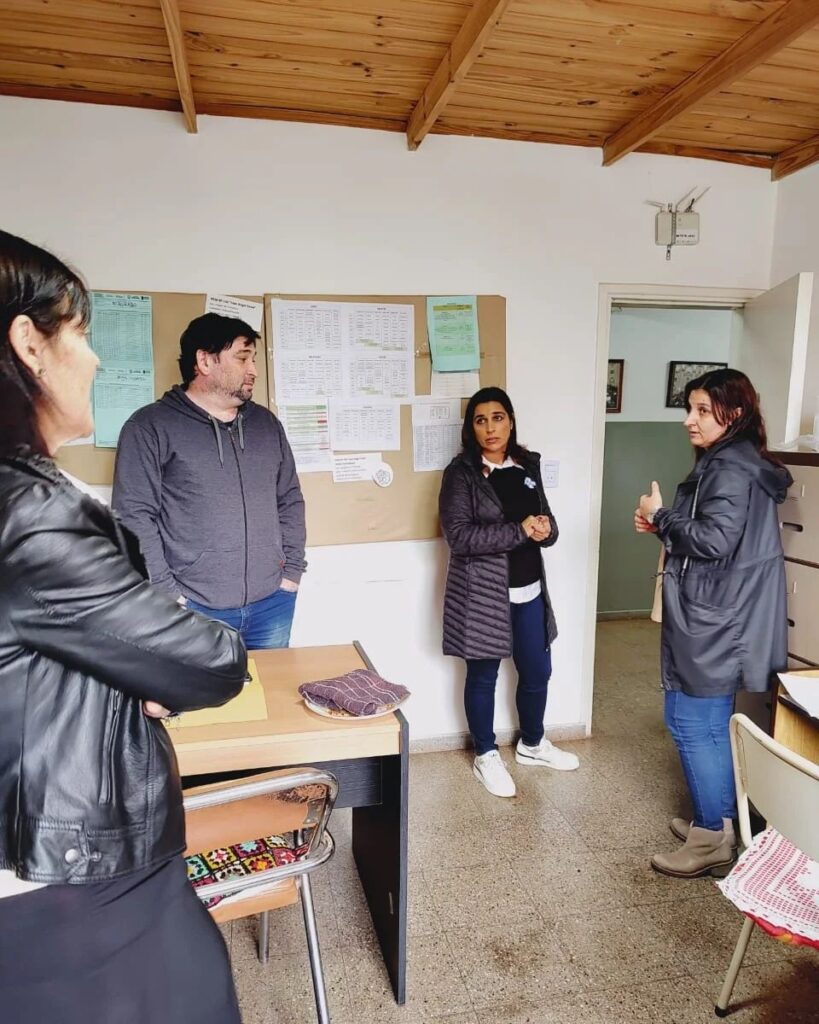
[649, 503]
[537, 528]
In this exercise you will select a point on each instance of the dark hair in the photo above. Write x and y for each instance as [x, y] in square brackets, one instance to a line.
[730, 390]
[471, 448]
[209, 333]
[33, 283]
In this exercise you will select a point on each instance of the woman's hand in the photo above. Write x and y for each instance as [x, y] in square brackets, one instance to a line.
[530, 524]
[154, 710]
[543, 529]
[641, 524]
[649, 503]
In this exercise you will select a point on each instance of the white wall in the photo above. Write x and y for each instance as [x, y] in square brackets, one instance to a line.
[796, 248]
[252, 206]
[649, 339]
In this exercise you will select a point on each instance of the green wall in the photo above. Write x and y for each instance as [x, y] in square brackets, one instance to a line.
[636, 454]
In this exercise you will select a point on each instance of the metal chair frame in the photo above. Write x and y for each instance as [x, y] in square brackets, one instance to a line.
[783, 786]
[319, 850]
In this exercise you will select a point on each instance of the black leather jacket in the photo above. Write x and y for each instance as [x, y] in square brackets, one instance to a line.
[89, 788]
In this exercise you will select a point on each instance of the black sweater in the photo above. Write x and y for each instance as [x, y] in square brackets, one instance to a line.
[519, 499]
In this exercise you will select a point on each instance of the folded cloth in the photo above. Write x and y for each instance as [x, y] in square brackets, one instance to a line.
[359, 693]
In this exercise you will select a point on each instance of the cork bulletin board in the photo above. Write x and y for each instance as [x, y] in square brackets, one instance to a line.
[172, 312]
[344, 513]
[361, 512]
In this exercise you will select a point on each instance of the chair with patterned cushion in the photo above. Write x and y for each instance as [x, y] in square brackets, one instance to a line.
[252, 844]
[775, 883]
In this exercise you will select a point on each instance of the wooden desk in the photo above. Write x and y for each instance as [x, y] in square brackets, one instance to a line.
[794, 727]
[369, 758]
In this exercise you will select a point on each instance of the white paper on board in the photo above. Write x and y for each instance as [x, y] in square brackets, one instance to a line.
[458, 384]
[308, 432]
[241, 309]
[355, 468]
[361, 424]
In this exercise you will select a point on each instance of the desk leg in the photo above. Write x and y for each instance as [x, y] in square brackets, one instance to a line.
[380, 852]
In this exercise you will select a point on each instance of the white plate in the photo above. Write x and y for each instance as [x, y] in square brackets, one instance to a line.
[345, 716]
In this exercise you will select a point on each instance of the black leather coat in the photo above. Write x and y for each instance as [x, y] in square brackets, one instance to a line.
[89, 788]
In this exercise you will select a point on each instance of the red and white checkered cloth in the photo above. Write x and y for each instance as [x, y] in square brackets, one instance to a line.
[778, 886]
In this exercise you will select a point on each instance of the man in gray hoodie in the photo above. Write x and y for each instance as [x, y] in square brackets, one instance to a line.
[206, 480]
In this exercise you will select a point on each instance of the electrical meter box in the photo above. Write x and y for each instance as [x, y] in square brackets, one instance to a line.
[676, 228]
[687, 229]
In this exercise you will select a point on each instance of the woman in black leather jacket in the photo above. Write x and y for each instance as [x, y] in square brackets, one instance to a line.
[97, 919]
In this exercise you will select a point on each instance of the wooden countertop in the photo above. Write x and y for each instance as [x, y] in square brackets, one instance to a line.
[290, 735]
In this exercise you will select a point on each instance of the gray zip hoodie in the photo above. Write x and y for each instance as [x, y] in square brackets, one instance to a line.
[217, 507]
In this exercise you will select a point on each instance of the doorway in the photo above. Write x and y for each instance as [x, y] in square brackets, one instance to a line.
[765, 333]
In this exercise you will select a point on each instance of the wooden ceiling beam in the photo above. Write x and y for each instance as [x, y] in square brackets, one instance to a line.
[727, 156]
[766, 38]
[464, 50]
[795, 158]
[179, 56]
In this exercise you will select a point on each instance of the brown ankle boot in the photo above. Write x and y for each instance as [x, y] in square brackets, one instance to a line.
[680, 827]
[705, 852]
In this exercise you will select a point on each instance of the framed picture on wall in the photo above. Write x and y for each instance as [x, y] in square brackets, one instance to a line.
[614, 386]
[679, 375]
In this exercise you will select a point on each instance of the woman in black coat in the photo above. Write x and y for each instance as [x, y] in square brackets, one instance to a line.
[97, 919]
[495, 518]
[724, 605]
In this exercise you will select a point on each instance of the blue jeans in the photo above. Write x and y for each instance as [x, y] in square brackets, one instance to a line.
[533, 660]
[262, 624]
[699, 728]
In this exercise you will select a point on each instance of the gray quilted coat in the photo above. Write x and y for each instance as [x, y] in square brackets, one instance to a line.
[477, 617]
[724, 598]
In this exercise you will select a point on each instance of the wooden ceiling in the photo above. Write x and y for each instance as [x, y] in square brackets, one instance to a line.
[734, 80]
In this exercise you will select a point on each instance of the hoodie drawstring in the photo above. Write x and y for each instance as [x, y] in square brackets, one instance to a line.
[218, 433]
[239, 417]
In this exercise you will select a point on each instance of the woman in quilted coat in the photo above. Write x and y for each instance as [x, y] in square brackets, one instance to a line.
[495, 518]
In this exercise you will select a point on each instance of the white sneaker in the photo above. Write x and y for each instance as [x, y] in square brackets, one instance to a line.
[546, 755]
[492, 772]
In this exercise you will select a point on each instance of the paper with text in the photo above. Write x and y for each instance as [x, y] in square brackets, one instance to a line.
[355, 468]
[342, 350]
[360, 424]
[460, 384]
[241, 309]
[436, 432]
[122, 337]
[307, 427]
[452, 325]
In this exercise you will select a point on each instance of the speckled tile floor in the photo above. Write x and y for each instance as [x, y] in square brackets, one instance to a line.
[548, 911]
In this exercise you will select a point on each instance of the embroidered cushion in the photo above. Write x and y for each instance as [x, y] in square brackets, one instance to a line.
[239, 862]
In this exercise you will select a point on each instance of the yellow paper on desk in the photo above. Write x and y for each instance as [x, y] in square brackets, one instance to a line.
[248, 706]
